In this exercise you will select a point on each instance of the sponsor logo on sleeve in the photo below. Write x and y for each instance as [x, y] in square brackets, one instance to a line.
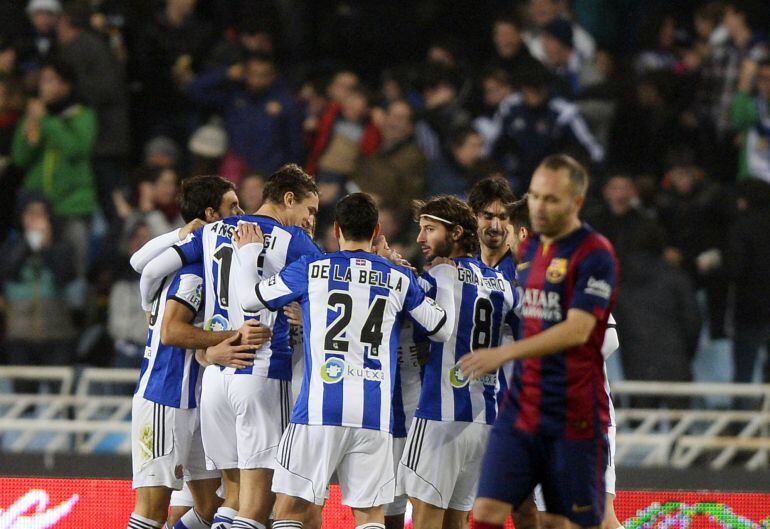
[598, 287]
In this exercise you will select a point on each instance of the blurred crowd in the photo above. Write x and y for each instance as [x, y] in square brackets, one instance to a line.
[107, 105]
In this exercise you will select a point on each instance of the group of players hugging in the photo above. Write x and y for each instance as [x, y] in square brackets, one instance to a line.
[273, 369]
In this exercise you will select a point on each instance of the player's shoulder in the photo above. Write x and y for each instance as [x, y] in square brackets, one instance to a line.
[595, 241]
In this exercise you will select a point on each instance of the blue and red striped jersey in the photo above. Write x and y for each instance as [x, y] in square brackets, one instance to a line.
[563, 394]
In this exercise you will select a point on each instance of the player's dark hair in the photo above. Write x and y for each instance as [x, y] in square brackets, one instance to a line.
[578, 175]
[202, 192]
[488, 190]
[357, 216]
[289, 179]
[457, 212]
[518, 212]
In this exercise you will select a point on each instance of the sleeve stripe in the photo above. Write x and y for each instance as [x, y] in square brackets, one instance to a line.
[611, 325]
[184, 302]
[262, 300]
[438, 327]
[181, 255]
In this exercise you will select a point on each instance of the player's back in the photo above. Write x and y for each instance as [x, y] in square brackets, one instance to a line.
[563, 394]
[483, 301]
[353, 313]
[169, 375]
[213, 245]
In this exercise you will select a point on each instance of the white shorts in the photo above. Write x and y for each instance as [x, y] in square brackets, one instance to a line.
[363, 459]
[441, 464]
[242, 419]
[184, 498]
[398, 506]
[166, 447]
[609, 474]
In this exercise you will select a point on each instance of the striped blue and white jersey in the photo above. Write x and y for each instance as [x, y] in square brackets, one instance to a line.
[212, 245]
[353, 306]
[170, 375]
[406, 395]
[484, 301]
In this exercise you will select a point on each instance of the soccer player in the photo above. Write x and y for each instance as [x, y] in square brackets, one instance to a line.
[244, 411]
[489, 199]
[353, 304]
[553, 427]
[440, 467]
[525, 515]
[166, 441]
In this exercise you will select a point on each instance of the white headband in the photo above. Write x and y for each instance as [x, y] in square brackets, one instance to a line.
[434, 217]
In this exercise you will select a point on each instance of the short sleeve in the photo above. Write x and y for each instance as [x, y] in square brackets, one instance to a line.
[595, 282]
[190, 250]
[302, 245]
[187, 287]
[288, 285]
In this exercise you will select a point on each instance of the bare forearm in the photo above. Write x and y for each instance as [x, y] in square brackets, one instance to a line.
[178, 334]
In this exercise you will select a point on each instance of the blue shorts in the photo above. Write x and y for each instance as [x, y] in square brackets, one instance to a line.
[570, 471]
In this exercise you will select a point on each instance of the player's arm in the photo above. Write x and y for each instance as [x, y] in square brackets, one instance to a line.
[170, 260]
[594, 283]
[156, 246]
[611, 340]
[432, 315]
[177, 329]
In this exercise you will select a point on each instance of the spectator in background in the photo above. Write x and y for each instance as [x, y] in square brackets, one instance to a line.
[465, 165]
[126, 321]
[208, 146]
[442, 114]
[8, 58]
[53, 144]
[341, 83]
[250, 192]
[36, 47]
[346, 133]
[100, 83]
[657, 315]
[543, 12]
[658, 40]
[751, 117]
[498, 93]
[536, 125]
[694, 213]
[396, 172]
[748, 266]
[35, 268]
[11, 104]
[166, 53]
[262, 119]
[252, 35]
[562, 61]
[161, 152]
[157, 200]
[510, 52]
[618, 217]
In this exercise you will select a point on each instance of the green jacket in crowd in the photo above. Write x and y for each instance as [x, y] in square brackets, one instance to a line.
[59, 165]
[751, 117]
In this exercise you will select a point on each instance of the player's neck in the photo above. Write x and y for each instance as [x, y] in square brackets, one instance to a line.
[458, 252]
[492, 256]
[271, 210]
[355, 246]
[571, 227]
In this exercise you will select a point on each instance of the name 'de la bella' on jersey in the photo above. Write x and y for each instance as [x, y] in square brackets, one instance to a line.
[353, 307]
[563, 394]
[484, 301]
[213, 246]
[169, 375]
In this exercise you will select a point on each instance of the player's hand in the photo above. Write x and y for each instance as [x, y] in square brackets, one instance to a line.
[228, 354]
[479, 362]
[254, 333]
[248, 233]
[190, 227]
[293, 313]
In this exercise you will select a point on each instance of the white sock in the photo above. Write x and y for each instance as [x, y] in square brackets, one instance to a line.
[223, 519]
[192, 520]
[287, 524]
[140, 522]
[371, 525]
[246, 523]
